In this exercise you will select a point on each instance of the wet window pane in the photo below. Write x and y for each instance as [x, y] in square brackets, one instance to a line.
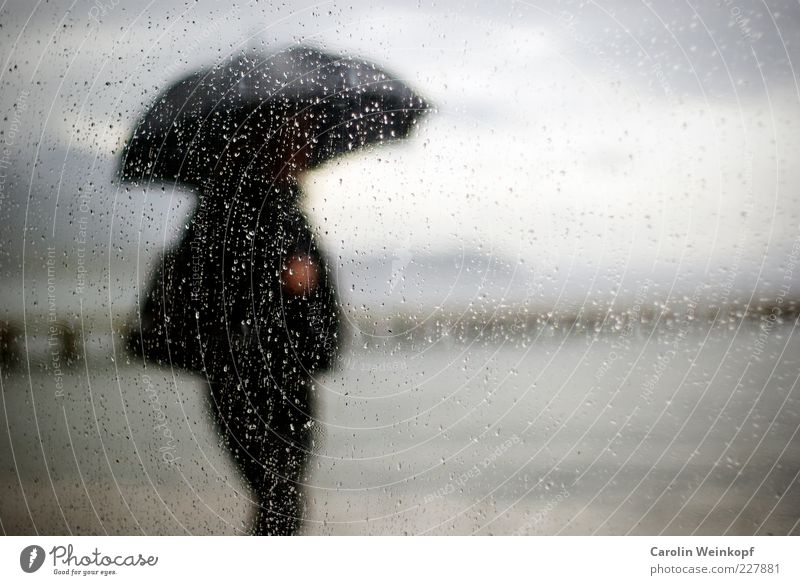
[423, 269]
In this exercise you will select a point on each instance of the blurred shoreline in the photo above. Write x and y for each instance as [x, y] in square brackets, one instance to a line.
[44, 336]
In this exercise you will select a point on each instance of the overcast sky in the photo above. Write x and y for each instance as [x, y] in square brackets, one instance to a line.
[578, 137]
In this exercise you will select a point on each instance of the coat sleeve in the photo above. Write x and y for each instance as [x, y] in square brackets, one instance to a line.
[305, 330]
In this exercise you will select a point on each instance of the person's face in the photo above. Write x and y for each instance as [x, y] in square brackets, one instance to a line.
[286, 153]
[298, 143]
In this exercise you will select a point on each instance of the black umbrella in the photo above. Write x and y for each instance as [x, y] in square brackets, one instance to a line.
[346, 103]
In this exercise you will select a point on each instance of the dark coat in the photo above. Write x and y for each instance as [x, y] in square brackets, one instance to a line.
[217, 306]
[219, 290]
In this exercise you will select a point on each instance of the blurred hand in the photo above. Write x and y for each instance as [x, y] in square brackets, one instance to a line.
[300, 275]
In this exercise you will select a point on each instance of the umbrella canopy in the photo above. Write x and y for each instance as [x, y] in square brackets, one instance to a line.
[343, 103]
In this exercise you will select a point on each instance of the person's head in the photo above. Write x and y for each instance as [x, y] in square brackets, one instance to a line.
[295, 143]
[274, 149]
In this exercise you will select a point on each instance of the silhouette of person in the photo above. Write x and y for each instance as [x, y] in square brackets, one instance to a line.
[246, 299]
